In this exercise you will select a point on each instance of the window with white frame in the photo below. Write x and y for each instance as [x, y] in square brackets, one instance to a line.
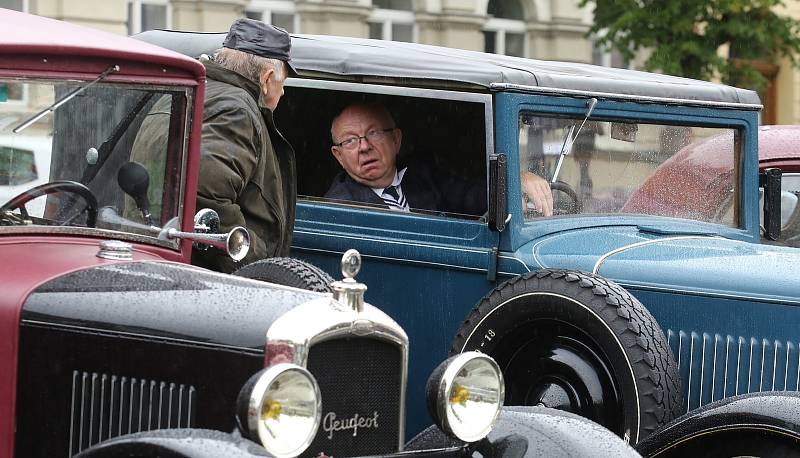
[148, 15]
[504, 31]
[392, 20]
[279, 13]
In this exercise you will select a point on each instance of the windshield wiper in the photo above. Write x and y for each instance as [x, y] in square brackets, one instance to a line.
[569, 138]
[28, 122]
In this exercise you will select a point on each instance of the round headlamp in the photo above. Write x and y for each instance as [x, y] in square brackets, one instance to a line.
[465, 394]
[280, 407]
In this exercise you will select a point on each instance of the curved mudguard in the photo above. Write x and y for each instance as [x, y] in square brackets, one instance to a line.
[535, 432]
[777, 411]
[177, 443]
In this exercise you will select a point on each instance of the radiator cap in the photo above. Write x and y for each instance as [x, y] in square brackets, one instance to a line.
[348, 291]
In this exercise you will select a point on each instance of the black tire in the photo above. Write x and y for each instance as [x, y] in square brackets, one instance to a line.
[765, 424]
[581, 343]
[288, 272]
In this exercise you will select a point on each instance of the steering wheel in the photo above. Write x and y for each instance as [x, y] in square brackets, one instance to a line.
[575, 206]
[72, 187]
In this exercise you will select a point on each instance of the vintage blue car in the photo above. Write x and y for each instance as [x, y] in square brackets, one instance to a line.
[620, 306]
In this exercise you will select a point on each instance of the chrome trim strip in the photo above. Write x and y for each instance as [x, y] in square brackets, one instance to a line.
[797, 380]
[603, 258]
[391, 242]
[514, 258]
[105, 331]
[323, 319]
[535, 257]
[675, 290]
[625, 97]
[703, 368]
[786, 366]
[713, 369]
[750, 366]
[738, 363]
[410, 261]
[72, 412]
[691, 360]
[728, 341]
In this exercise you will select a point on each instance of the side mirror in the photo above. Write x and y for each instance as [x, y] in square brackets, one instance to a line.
[498, 214]
[770, 180]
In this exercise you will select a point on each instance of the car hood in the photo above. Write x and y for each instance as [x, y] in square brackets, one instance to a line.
[694, 263]
[165, 300]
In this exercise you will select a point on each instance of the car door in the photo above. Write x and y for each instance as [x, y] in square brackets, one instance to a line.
[427, 268]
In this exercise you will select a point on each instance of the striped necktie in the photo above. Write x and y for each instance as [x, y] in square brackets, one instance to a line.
[394, 198]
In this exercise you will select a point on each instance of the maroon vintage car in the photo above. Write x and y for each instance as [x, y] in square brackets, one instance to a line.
[697, 181]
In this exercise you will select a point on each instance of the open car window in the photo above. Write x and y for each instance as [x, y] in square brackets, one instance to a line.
[653, 169]
[62, 157]
[444, 137]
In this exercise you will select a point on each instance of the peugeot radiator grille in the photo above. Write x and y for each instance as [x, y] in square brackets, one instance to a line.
[361, 383]
[106, 406]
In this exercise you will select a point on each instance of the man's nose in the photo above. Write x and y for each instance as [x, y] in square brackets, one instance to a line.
[364, 144]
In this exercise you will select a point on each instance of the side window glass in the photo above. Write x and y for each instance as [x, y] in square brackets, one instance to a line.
[790, 209]
[614, 167]
[388, 152]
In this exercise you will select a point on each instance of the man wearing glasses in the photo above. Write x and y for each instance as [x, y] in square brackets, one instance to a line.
[366, 143]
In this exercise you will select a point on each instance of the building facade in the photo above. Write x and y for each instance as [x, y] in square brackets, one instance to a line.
[540, 29]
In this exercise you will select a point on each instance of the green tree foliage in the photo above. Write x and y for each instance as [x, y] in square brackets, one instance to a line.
[684, 36]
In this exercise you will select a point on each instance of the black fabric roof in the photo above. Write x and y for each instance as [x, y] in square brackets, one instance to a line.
[359, 58]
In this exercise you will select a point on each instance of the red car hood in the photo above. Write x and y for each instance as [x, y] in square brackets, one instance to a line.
[28, 262]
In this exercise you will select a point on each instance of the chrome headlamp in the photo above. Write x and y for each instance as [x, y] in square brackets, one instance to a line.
[280, 407]
[465, 394]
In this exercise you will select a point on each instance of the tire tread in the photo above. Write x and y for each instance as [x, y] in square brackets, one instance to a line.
[661, 398]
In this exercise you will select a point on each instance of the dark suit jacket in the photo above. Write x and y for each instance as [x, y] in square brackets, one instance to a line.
[423, 190]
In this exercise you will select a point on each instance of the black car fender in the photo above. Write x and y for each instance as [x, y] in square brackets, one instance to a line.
[755, 424]
[524, 431]
[176, 443]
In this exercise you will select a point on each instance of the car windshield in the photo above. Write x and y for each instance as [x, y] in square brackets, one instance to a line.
[613, 167]
[91, 161]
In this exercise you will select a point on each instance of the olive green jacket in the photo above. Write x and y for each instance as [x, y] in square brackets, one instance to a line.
[247, 170]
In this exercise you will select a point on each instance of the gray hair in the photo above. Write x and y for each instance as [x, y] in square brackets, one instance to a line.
[249, 65]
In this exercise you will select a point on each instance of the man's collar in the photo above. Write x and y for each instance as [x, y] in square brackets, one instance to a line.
[398, 178]
[217, 72]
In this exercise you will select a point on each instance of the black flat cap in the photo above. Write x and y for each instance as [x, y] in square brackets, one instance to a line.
[264, 40]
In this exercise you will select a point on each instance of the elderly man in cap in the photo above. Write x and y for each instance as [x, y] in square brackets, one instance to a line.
[247, 168]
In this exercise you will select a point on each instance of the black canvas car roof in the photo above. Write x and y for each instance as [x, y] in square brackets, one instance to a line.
[362, 59]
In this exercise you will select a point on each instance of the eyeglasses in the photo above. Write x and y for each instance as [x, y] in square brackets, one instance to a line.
[372, 136]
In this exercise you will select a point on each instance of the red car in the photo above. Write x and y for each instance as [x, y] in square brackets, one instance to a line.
[698, 181]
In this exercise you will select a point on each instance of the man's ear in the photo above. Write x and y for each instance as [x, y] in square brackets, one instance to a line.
[265, 76]
[337, 154]
[398, 137]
